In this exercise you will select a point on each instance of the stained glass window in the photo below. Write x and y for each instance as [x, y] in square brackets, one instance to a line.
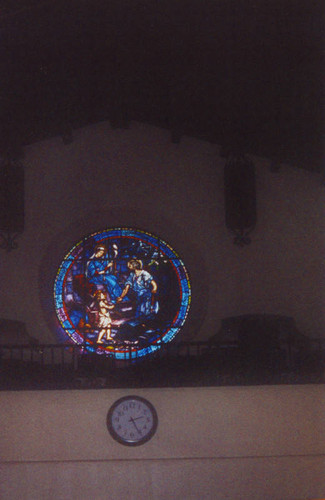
[121, 292]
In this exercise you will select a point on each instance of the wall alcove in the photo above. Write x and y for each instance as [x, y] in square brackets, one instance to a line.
[182, 288]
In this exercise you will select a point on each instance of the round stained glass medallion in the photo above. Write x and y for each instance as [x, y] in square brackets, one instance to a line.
[121, 292]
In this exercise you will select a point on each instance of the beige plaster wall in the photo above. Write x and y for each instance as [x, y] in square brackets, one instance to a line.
[137, 177]
[211, 443]
[236, 443]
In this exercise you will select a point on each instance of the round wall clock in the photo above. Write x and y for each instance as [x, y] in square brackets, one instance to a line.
[132, 420]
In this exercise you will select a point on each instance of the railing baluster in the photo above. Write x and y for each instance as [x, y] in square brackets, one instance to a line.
[73, 359]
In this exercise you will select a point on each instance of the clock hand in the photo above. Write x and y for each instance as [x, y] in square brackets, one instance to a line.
[135, 425]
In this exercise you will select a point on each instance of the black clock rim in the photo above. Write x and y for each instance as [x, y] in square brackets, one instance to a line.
[125, 441]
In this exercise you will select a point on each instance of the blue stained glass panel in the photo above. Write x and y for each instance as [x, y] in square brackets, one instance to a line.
[121, 292]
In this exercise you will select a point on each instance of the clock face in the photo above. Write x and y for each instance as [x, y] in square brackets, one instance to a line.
[132, 420]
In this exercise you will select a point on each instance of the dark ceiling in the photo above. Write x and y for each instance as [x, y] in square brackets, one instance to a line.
[247, 75]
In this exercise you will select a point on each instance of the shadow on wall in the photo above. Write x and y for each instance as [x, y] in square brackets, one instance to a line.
[15, 332]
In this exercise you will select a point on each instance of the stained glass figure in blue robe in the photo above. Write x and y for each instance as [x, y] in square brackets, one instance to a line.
[99, 272]
[144, 287]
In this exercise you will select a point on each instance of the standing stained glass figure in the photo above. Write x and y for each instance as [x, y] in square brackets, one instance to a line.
[104, 318]
[144, 287]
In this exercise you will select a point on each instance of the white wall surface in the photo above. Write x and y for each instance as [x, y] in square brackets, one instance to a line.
[137, 177]
[211, 443]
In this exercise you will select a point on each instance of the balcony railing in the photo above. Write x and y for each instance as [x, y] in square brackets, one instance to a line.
[67, 366]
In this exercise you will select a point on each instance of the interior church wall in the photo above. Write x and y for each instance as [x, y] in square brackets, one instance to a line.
[138, 178]
[212, 443]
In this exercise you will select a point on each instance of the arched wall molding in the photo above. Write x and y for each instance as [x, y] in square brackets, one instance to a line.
[181, 239]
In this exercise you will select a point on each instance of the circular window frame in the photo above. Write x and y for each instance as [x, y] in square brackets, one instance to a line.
[165, 251]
